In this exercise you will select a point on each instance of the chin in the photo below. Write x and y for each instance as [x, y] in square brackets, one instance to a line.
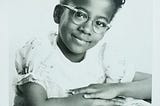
[78, 50]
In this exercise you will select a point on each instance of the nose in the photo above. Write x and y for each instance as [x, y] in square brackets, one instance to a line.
[86, 27]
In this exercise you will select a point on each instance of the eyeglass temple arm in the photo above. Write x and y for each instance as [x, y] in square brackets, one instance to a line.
[69, 7]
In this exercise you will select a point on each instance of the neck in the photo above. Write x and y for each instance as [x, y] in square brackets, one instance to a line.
[74, 57]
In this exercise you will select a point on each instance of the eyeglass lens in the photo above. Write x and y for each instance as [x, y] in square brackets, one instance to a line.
[99, 25]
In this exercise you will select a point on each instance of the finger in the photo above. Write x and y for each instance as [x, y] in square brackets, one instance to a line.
[111, 102]
[118, 101]
[102, 102]
[79, 90]
[98, 102]
[68, 92]
[119, 98]
[93, 95]
[82, 90]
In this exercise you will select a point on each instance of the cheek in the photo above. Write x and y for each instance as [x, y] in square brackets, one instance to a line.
[98, 37]
[67, 25]
[64, 21]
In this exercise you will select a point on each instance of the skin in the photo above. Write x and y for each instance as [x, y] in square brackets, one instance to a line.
[112, 90]
[67, 42]
[75, 51]
[35, 94]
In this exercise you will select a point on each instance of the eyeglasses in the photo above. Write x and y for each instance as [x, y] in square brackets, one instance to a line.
[99, 25]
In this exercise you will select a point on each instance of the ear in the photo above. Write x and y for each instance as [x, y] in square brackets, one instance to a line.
[57, 13]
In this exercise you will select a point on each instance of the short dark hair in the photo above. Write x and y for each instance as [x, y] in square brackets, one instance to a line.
[118, 4]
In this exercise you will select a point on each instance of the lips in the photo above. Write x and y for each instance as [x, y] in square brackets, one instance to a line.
[80, 39]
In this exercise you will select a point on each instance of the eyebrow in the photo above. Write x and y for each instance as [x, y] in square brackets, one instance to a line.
[105, 18]
[81, 8]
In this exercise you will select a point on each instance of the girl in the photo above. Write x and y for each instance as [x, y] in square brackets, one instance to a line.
[50, 70]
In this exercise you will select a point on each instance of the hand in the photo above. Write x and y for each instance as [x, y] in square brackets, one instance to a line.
[102, 91]
[109, 102]
[78, 100]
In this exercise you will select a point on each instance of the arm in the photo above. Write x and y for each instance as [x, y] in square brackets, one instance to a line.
[139, 88]
[35, 95]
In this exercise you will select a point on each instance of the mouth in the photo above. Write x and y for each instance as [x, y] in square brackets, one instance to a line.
[80, 40]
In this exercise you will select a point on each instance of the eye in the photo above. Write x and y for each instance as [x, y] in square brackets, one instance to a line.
[101, 23]
[80, 15]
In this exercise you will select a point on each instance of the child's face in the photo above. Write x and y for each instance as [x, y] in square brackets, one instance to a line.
[78, 38]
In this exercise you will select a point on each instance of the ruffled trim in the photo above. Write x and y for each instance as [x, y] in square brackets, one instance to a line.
[30, 77]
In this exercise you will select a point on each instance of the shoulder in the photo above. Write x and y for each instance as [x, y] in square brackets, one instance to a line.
[33, 51]
[35, 46]
[117, 64]
[40, 41]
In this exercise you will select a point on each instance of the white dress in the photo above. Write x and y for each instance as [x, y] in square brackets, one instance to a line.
[56, 74]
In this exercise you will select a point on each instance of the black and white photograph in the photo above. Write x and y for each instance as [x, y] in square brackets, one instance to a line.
[81, 52]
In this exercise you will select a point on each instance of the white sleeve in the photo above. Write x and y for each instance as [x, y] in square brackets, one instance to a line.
[118, 67]
[28, 60]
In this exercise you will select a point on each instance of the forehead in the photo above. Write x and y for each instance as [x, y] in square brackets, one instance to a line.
[104, 8]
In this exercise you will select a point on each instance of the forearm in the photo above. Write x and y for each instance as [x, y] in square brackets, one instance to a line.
[138, 89]
[35, 95]
[55, 102]
[76, 100]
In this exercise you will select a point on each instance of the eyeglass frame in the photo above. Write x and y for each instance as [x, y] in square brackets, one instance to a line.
[108, 26]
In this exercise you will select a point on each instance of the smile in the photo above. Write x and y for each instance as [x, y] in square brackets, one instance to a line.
[79, 40]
